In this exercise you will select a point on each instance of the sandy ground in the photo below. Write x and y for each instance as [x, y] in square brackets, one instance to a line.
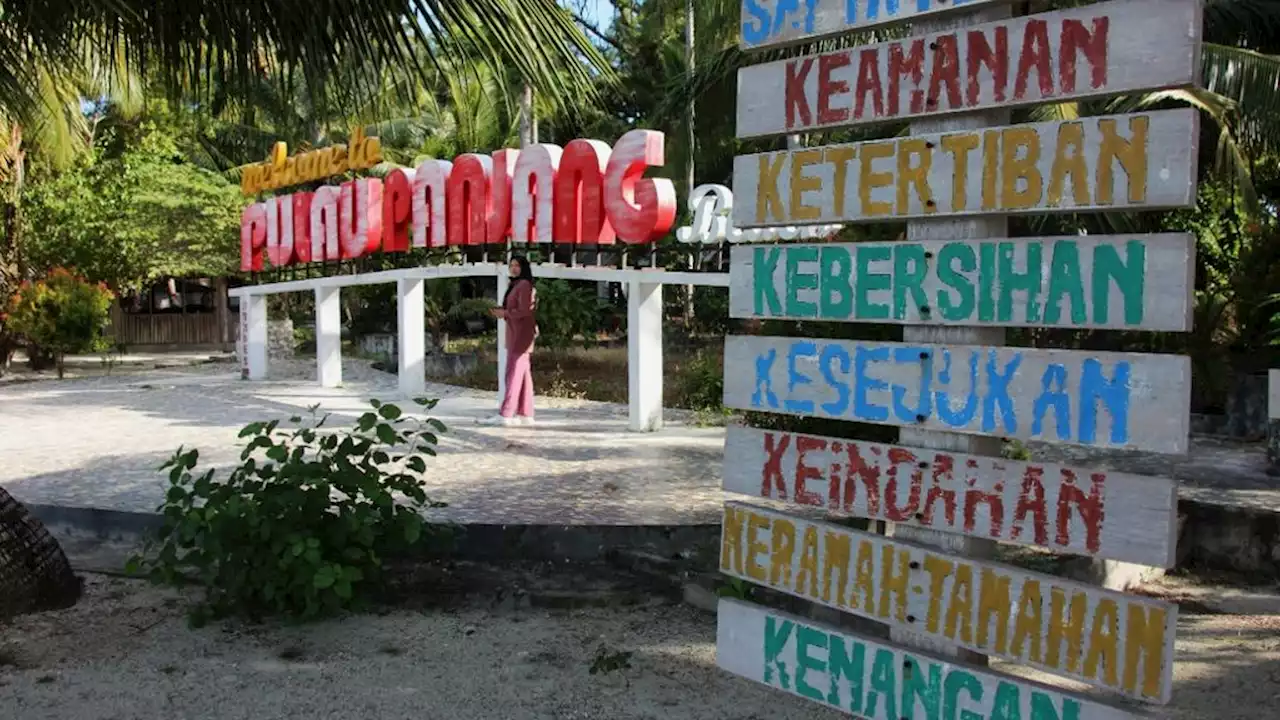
[126, 652]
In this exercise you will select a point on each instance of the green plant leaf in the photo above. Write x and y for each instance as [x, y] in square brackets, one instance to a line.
[389, 412]
[367, 421]
[323, 578]
[412, 531]
[387, 434]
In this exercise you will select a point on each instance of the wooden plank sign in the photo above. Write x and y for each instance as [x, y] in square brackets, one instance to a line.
[1095, 513]
[1057, 56]
[1273, 394]
[1115, 400]
[1111, 163]
[769, 23]
[1140, 282]
[876, 680]
[1123, 643]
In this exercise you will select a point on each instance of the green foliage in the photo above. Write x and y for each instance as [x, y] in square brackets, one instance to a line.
[700, 383]
[566, 312]
[61, 314]
[711, 309]
[608, 661]
[134, 216]
[735, 588]
[470, 309]
[303, 526]
[1015, 450]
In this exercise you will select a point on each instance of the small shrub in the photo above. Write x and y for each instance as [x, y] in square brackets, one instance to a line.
[700, 383]
[302, 527]
[60, 315]
[1015, 450]
[566, 312]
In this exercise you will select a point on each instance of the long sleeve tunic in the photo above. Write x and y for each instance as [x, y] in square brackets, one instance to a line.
[520, 307]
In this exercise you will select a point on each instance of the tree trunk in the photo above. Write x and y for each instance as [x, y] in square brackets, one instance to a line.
[35, 575]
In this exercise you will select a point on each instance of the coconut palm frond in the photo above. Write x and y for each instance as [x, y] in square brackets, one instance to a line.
[188, 43]
[1251, 80]
[1232, 159]
[1248, 23]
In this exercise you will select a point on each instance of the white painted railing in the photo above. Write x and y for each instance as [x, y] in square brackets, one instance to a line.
[644, 323]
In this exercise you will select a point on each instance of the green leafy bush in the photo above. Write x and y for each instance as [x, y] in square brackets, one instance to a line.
[303, 526]
[700, 383]
[61, 314]
[565, 312]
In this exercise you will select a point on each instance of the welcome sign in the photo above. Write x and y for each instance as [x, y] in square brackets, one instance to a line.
[1092, 512]
[1116, 400]
[1107, 163]
[876, 680]
[583, 193]
[1106, 48]
[769, 23]
[1123, 643]
[1139, 282]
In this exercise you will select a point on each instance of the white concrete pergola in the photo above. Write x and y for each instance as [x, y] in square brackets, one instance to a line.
[644, 323]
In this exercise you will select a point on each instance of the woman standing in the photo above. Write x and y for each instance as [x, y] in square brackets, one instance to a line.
[518, 309]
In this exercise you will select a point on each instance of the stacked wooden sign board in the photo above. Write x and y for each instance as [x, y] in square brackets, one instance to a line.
[945, 277]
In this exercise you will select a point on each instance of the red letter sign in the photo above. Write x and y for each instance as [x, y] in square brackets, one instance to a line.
[580, 213]
[397, 211]
[533, 193]
[469, 199]
[641, 209]
[360, 211]
[253, 235]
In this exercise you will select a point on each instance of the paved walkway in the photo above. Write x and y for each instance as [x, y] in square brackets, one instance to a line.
[96, 442]
[1216, 471]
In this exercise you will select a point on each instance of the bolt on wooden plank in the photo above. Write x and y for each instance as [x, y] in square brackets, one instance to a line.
[1106, 163]
[1122, 643]
[770, 23]
[877, 680]
[1070, 282]
[1105, 49]
[1094, 513]
[1115, 400]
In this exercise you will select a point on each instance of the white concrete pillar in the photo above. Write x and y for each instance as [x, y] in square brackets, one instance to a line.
[328, 336]
[503, 283]
[411, 336]
[644, 355]
[254, 324]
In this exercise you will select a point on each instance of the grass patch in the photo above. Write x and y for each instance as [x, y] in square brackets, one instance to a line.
[600, 373]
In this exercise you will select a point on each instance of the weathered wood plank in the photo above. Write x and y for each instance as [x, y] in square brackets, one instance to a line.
[872, 679]
[1114, 400]
[770, 23]
[1110, 48]
[1119, 162]
[1123, 643]
[1273, 394]
[1139, 282]
[1095, 513]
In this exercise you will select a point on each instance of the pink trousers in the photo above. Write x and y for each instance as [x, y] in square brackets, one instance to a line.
[519, 394]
